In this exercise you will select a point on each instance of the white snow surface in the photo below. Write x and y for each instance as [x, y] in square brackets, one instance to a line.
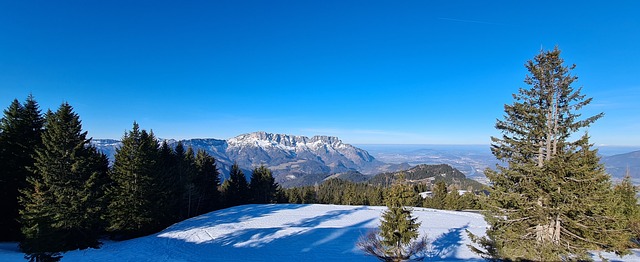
[283, 232]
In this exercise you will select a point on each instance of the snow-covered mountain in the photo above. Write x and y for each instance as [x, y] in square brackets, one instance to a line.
[286, 155]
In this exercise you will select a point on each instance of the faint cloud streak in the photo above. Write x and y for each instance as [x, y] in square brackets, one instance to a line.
[467, 21]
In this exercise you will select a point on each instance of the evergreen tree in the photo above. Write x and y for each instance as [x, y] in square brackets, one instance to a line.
[171, 198]
[187, 173]
[207, 181]
[62, 206]
[20, 131]
[452, 200]
[135, 207]
[396, 239]
[439, 193]
[263, 186]
[628, 205]
[551, 200]
[235, 189]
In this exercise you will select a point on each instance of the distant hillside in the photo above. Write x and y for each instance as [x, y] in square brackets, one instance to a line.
[429, 174]
[618, 165]
[313, 179]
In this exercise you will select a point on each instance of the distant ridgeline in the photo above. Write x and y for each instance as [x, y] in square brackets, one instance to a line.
[420, 174]
[287, 156]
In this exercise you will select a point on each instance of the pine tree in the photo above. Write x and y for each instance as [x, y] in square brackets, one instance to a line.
[398, 232]
[207, 181]
[551, 200]
[187, 173]
[437, 200]
[62, 205]
[235, 189]
[263, 186]
[20, 135]
[135, 206]
[628, 205]
[452, 200]
[170, 202]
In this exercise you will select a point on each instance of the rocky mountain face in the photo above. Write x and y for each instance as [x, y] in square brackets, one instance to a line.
[287, 156]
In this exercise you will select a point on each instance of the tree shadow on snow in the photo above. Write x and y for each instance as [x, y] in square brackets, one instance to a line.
[312, 238]
[445, 246]
[259, 237]
[231, 215]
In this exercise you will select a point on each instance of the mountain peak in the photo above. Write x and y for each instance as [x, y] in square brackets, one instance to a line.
[264, 139]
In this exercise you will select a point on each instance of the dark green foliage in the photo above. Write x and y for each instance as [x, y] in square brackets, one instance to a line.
[301, 195]
[341, 192]
[206, 184]
[628, 205]
[337, 192]
[20, 131]
[395, 240]
[551, 201]
[263, 187]
[312, 179]
[439, 192]
[186, 172]
[135, 207]
[235, 190]
[443, 198]
[398, 227]
[170, 199]
[64, 201]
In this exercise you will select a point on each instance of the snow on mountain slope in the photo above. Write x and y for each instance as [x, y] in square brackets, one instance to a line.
[286, 154]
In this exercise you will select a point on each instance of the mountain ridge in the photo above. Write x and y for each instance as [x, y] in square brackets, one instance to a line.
[285, 155]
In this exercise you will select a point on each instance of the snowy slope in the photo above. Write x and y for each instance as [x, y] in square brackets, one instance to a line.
[284, 232]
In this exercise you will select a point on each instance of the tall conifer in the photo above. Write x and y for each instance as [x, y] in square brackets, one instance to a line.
[263, 186]
[235, 189]
[207, 182]
[171, 198]
[397, 237]
[20, 131]
[187, 167]
[135, 208]
[551, 199]
[61, 206]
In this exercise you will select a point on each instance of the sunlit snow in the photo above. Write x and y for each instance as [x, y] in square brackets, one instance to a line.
[282, 232]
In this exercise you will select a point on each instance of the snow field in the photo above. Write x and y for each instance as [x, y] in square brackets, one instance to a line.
[282, 232]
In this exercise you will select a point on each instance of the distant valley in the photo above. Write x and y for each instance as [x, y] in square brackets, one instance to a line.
[472, 160]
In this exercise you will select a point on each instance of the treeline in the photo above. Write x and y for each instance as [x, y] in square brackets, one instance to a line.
[429, 174]
[337, 191]
[58, 192]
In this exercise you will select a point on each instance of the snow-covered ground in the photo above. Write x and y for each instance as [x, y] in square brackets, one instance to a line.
[283, 232]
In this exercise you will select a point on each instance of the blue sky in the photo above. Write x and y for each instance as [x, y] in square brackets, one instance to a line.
[380, 72]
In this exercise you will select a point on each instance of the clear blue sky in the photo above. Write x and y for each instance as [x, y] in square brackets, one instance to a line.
[400, 72]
